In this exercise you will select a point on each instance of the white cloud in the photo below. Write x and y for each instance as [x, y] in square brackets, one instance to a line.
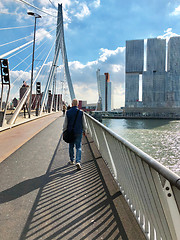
[75, 65]
[42, 33]
[19, 75]
[176, 11]
[106, 53]
[117, 67]
[83, 12]
[86, 92]
[3, 9]
[168, 34]
[96, 3]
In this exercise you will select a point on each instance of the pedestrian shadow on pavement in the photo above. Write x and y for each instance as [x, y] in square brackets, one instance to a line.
[26, 187]
[73, 204]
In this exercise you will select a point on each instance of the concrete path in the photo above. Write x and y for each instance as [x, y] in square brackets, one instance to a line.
[43, 197]
[12, 139]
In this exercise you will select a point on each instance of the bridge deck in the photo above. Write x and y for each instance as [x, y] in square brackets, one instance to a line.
[43, 197]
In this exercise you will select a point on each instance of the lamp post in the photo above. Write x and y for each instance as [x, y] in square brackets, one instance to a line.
[35, 16]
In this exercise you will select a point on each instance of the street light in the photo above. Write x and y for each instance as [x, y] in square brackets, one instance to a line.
[35, 17]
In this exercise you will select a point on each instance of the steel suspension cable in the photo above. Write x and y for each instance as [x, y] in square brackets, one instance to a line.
[38, 55]
[16, 49]
[15, 27]
[19, 51]
[23, 1]
[53, 5]
[28, 55]
[24, 71]
[14, 41]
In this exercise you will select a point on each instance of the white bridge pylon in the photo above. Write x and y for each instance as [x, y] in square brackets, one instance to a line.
[60, 45]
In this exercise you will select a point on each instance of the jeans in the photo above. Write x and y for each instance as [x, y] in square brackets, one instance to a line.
[77, 143]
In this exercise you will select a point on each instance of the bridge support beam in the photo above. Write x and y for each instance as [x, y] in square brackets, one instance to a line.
[60, 44]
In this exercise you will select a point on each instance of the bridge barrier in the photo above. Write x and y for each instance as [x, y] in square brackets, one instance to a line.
[151, 190]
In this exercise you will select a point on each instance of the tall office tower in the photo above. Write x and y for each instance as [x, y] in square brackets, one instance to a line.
[172, 88]
[170, 81]
[134, 56]
[134, 67]
[156, 54]
[154, 77]
[174, 55]
[147, 89]
[159, 89]
[132, 89]
[104, 91]
[108, 92]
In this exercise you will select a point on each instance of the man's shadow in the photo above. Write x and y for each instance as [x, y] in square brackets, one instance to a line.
[30, 185]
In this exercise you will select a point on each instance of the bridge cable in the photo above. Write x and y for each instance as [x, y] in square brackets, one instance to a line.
[29, 66]
[15, 27]
[28, 55]
[14, 41]
[15, 49]
[53, 5]
[20, 104]
[23, 1]
[19, 52]
[24, 71]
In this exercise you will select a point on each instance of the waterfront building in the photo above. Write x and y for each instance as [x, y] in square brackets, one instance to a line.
[134, 67]
[174, 55]
[156, 55]
[134, 56]
[132, 89]
[104, 91]
[160, 87]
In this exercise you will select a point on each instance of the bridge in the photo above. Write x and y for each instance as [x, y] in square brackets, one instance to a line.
[120, 193]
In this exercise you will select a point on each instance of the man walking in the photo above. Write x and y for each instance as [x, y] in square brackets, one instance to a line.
[79, 129]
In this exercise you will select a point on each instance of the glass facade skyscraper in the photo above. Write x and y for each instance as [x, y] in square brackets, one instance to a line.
[104, 91]
[160, 88]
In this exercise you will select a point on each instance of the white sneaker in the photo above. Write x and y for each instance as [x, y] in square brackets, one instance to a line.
[78, 165]
[71, 162]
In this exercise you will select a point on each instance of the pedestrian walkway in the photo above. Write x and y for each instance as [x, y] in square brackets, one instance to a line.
[12, 138]
[69, 204]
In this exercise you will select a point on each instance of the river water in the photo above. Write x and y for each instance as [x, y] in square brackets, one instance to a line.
[158, 138]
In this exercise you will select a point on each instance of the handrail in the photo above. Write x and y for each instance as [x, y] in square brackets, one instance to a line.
[168, 174]
[150, 189]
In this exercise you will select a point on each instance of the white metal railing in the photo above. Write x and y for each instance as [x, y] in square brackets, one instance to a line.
[151, 190]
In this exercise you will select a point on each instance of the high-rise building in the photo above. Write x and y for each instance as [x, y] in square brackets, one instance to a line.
[134, 67]
[132, 89]
[160, 88]
[172, 94]
[134, 56]
[104, 91]
[156, 55]
[174, 55]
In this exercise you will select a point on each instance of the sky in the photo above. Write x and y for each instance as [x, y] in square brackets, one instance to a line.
[95, 36]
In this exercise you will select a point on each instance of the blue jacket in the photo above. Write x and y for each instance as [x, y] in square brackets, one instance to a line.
[71, 114]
